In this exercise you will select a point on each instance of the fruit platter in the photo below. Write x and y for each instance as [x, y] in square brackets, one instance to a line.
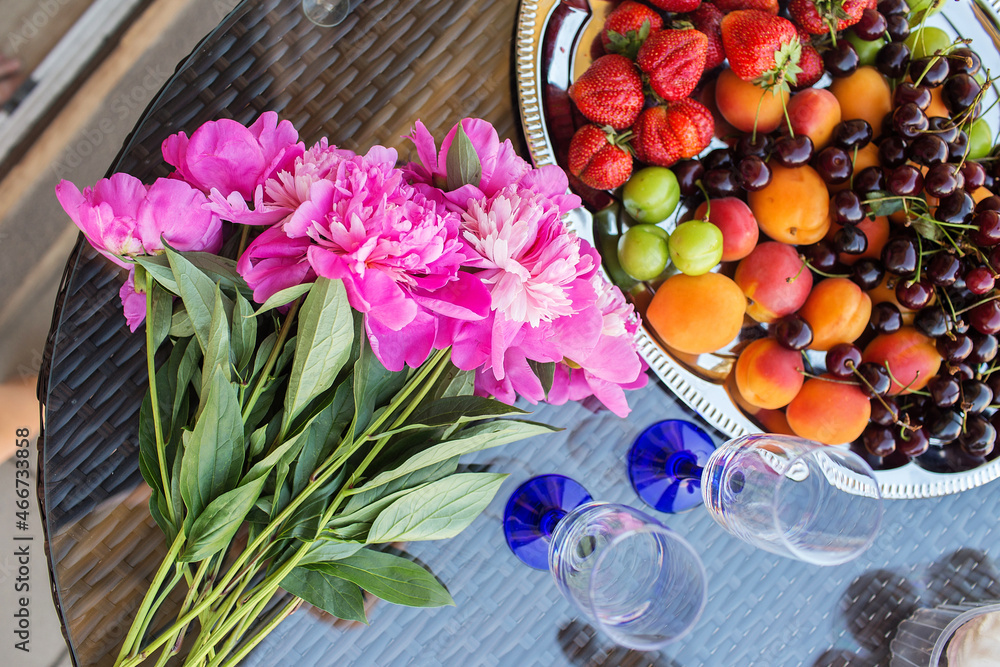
[801, 201]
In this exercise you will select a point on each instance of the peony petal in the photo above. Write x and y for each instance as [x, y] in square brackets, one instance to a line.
[133, 303]
[411, 346]
[426, 150]
[174, 211]
[465, 298]
[225, 155]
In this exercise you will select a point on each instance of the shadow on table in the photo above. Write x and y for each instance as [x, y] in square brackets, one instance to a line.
[583, 646]
[878, 601]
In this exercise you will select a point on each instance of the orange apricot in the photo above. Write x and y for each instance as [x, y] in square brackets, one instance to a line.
[912, 357]
[697, 314]
[876, 231]
[774, 421]
[837, 311]
[769, 375]
[738, 101]
[864, 94]
[829, 411]
[794, 207]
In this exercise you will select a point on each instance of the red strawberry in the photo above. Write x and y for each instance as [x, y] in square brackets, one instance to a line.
[810, 62]
[732, 5]
[676, 5]
[609, 92]
[597, 158]
[761, 47]
[708, 18]
[665, 134]
[819, 17]
[674, 61]
[628, 26]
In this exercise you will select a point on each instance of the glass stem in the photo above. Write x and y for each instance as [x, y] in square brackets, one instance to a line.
[550, 519]
[686, 468]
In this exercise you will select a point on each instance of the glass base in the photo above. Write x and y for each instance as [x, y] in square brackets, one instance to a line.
[533, 511]
[665, 463]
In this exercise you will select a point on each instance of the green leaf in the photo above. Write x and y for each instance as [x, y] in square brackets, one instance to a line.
[287, 451]
[327, 549]
[157, 266]
[393, 578]
[357, 524]
[323, 344]
[197, 291]
[215, 527]
[927, 227]
[184, 372]
[471, 439]
[284, 357]
[546, 373]
[323, 434]
[331, 594]
[453, 382]
[162, 310]
[213, 451]
[262, 353]
[374, 384]
[244, 333]
[883, 203]
[180, 323]
[440, 510]
[462, 163]
[455, 410]
[218, 346]
[284, 297]
[258, 441]
[367, 497]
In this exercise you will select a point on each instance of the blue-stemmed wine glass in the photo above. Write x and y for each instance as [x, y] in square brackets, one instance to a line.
[817, 503]
[665, 465]
[639, 582]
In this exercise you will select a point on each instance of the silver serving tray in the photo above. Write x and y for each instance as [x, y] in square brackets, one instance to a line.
[569, 20]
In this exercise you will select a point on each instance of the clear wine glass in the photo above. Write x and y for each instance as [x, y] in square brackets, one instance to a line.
[328, 13]
[639, 582]
[790, 496]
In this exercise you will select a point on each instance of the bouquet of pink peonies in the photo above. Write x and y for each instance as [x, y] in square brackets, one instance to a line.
[340, 331]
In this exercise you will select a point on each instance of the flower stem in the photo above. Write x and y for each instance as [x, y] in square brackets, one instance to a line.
[323, 473]
[134, 638]
[161, 459]
[264, 632]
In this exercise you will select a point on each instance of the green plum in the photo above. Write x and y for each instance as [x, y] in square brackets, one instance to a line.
[643, 251]
[695, 247]
[866, 50]
[980, 140]
[921, 8]
[651, 194]
[925, 41]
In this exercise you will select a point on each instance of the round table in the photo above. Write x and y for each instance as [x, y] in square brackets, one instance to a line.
[361, 83]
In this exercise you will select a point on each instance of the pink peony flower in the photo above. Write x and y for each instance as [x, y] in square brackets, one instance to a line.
[224, 155]
[398, 254]
[537, 272]
[284, 191]
[609, 363]
[501, 167]
[121, 218]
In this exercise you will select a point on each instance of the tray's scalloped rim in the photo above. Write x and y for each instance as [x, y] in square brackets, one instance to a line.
[709, 400]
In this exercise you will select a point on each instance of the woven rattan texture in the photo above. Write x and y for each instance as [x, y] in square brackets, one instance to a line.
[361, 83]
